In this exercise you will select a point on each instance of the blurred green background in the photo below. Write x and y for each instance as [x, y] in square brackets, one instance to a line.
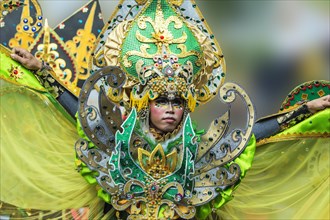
[270, 47]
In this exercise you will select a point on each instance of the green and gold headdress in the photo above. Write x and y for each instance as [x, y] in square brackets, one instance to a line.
[163, 54]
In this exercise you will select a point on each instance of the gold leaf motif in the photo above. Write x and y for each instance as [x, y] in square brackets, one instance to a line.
[143, 53]
[156, 163]
[82, 45]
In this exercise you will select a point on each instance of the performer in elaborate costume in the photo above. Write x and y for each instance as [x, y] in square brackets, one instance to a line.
[137, 141]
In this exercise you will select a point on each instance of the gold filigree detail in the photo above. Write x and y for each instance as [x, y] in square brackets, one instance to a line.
[47, 52]
[171, 85]
[161, 37]
[148, 206]
[82, 45]
[26, 29]
[156, 163]
[143, 53]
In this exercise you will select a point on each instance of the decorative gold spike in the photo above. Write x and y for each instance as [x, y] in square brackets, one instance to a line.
[82, 45]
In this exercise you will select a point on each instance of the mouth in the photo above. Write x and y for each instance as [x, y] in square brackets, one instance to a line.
[169, 120]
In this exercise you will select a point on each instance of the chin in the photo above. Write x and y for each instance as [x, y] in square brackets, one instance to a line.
[169, 129]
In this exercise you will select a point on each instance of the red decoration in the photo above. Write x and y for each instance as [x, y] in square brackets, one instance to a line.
[15, 72]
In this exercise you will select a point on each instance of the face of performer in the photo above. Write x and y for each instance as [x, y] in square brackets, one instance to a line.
[166, 115]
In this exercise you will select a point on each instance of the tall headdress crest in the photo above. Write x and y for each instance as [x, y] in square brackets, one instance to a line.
[163, 54]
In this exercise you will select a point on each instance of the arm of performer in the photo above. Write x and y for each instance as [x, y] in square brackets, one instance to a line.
[272, 125]
[42, 72]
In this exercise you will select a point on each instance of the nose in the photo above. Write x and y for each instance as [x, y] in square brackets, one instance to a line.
[170, 108]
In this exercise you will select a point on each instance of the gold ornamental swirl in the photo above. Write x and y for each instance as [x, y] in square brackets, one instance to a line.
[147, 207]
